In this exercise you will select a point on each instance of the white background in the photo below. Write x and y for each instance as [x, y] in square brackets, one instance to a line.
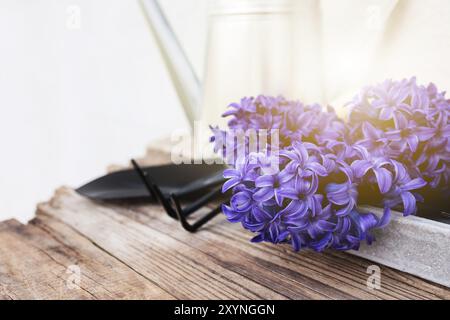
[74, 100]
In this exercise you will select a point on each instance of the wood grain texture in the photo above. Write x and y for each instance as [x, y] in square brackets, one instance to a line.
[137, 251]
[36, 262]
[176, 266]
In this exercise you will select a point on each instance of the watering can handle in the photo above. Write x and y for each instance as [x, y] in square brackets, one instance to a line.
[180, 69]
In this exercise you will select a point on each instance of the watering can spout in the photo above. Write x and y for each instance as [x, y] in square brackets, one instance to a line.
[181, 71]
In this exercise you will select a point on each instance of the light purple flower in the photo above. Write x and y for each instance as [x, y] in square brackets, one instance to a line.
[377, 165]
[302, 165]
[390, 98]
[408, 133]
[269, 187]
[244, 172]
[374, 139]
[303, 196]
[401, 189]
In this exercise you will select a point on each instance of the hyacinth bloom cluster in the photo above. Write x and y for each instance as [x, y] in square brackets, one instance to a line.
[307, 187]
[409, 123]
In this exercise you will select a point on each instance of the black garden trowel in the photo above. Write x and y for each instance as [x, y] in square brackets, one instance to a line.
[198, 184]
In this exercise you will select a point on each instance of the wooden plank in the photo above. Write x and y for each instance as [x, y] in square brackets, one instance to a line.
[223, 249]
[42, 260]
[332, 274]
[176, 267]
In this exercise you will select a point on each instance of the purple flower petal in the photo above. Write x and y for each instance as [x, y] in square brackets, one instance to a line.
[347, 209]
[445, 131]
[385, 218]
[424, 133]
[370, 132]
[338, 193]
[231, 215]
[360, 167]
[322, 244]
[394, 135]
[288, 193]
[263, 194]
[325, 226]
[278, 197]
[414, 184]
[241, 201]
[384, 179]
[413, 142]
[317, 168]
[386, 113]
[409, 203]
[314, 203]
[230, 184]
[295, 210]
[230, 173]
[264, 181]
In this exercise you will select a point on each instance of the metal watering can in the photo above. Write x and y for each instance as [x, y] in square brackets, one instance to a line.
[249, 52]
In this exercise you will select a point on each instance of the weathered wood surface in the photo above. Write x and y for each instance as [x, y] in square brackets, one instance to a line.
[138, 252]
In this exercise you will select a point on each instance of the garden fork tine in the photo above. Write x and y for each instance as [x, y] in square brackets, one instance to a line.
[198, 224]
[154, 190]
[178, 213]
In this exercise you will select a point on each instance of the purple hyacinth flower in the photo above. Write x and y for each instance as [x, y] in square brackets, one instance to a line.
[401, 189]
[408, 133]
[301, 164]
[242, 201]
[373, 164]
[311, 231]
[374, 139]
[321, 244]
[442, 128]
[243, 172]
[267, 164]
[389, 98]
[366, 222]
[420, 98]
[434, 153]
[344, 195]
[320, 224]
[340, 140]
[397, 138]
[239, 109]
[439, 175]
[344, 236]
[264, 222]
[303, 196]
[298, 126]
[239, 113]
[233, 216]
[270, 187]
